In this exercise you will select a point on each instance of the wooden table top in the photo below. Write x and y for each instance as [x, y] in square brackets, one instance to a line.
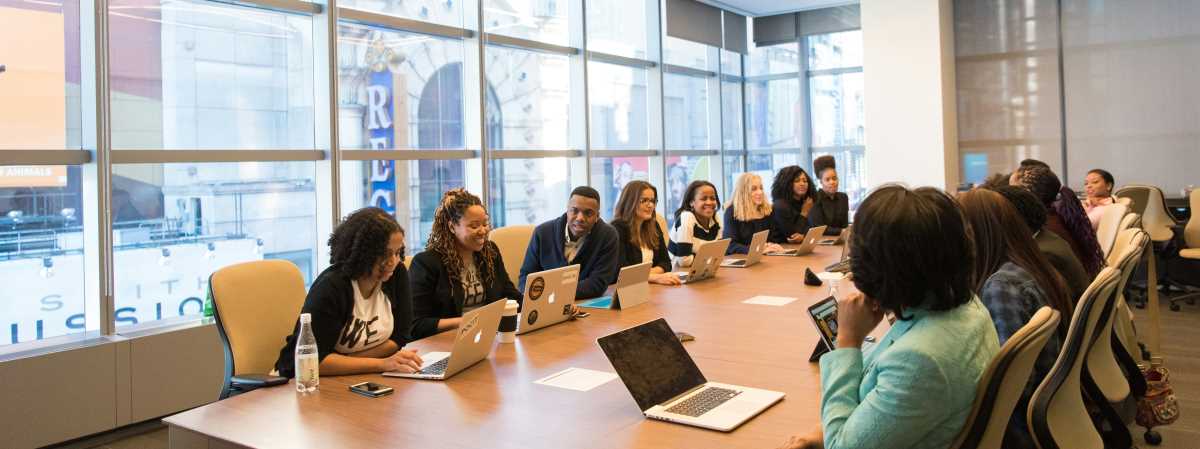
[495, 402]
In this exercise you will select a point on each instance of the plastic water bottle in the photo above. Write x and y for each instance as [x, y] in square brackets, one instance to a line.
[307, 364]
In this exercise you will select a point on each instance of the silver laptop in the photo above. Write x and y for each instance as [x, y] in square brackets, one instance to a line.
[806, 246]
[472, 343]
[753, 255]
[666, 384]
[840, 239]
[842, 265]
[549, 297]
[707, 260]
[633, 288]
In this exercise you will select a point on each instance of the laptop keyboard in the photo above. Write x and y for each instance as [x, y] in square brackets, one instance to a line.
[839, 267]
[700, 403]
[438, 367]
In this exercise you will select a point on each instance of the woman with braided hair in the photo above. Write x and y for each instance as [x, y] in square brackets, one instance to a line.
[460, 269]
[1064, 215]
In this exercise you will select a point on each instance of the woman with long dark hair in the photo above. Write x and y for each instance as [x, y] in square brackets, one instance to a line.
[1065, 216]
[639, 237]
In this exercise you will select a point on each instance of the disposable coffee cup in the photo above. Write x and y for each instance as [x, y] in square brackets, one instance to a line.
[508, 324]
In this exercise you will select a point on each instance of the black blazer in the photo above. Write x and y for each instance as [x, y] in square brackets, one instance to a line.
[630, 254]
[740, 233]
[830, 211]
[787, 219]
[434, 298]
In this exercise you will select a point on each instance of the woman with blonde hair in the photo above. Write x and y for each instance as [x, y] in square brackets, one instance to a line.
[747, 213]
[639, 236]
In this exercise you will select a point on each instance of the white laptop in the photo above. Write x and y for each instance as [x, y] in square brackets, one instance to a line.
[840, 239]
[472, 343]
[806, 246]
[633, 288]
[707, 260]
[549, 298]
[753, 255]
[667, 385]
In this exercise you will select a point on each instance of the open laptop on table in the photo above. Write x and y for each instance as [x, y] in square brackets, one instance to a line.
[666, 384]
[806, 246]
[633, 288]
[472, 343]
[842, 265]
[706, 262]
[549, 297]
[840, 239]
[753, 255]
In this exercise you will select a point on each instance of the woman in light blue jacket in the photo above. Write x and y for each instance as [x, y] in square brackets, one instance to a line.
[912, 257]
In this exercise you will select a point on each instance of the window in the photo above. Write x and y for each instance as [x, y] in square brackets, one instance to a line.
[617, 96]
[442, 12]
[39, 75]
[835, 50]
[685, 110]
[528, 95]
[835, 82]
[531, 191]
[610, 174]
[538, 20]
[687, 54]
[773, 114]
[619, 27]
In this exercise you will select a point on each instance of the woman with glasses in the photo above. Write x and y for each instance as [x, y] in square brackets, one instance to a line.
[641, 239]
[360, 305]
[460, 269]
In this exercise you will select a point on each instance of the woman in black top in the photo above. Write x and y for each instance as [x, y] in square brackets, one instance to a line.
[360, 305]
[460, 269]
[748, 213]
[832, 208]
[641, 240]
[793, 196]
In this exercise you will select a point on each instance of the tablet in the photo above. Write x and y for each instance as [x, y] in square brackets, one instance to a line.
[824, 317]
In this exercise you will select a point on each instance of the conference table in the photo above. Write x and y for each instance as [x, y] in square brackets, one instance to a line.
[496, 403]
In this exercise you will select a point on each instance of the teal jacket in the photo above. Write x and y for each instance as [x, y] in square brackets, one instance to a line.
[912, 390]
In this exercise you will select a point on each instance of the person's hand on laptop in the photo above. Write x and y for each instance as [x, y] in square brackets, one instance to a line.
[857, 317]
[404, 361]
[813, 440]
[772, 248]
[665, 279]
[796, 238]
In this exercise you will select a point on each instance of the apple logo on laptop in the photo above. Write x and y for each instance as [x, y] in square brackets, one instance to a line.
[478, 336]
[551, 298]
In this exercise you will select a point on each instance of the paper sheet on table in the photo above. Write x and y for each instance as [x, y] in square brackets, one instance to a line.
[578, 379]
[770, 300]
[830, 276]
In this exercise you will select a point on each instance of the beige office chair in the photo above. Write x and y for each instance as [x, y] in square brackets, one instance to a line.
[256, 305]
[1110, 223]
[408, 261]
[1057, 415]
[662, 226]
[1130, 220]
[1148, 201]
[1123, 316]
[1001, 386]
[513, 241]
[1191, 238]
[1102, 362]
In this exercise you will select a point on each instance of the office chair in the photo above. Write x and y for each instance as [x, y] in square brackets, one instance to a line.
[255, 305]
[1002, 383]
[1110, 223]
[1151, 205]
[1191, 252]
[512, 241]
[1058, 418]
[1117, 379]
[1123, 316]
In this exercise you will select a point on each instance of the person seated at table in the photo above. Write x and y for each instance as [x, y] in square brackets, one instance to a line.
[792, 197]
[695, 221]
[460, 269]
[1056, 250]
[831, 208]
[360, 305]
[1015, 178]
[577, 237]
[747, 213]
[1014, 280]
[1065, 216]
[916, 387]
[640, 238]
[1098, 185]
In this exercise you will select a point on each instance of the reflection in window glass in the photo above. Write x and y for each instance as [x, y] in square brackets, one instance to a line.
[399, 90]
[529, 191]
[174, 224]
[191, 74]
[731, 116]
[618, 27]
[685, 111]
[411, 190]
[767, 164]
[688, 54]
[773, 113]
[733, 168]
[39, 85]
[681, 171]
[837, 109]
[773, 60]
[528, 94]
[617, 95]
[539, 20]
[441, 12]
[836, 50]
[41, 253]
[609, 176]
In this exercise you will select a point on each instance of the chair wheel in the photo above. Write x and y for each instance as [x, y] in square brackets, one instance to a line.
[1191, 302]
[1140, 305]
[1152, 438]
[1174, 307]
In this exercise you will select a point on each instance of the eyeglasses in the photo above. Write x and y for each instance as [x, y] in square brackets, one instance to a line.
[648, 201]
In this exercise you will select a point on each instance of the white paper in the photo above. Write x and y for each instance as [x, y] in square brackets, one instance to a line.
[578, 379]
[770, 300]
[830, 276]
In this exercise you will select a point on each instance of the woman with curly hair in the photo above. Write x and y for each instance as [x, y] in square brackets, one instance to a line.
[360, 306]
[460, 269]
[793, 196]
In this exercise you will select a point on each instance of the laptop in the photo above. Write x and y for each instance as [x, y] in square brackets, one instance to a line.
[842, 265]
[706, 262]
[472, 343]
[549, 297]
[840, 239]
[757, 243]
[806, 246]
[633, 288]
[666, 384]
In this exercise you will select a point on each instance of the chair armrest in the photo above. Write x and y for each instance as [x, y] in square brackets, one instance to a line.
[252, 381]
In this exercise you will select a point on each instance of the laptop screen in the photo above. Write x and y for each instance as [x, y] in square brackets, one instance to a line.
[651, 362]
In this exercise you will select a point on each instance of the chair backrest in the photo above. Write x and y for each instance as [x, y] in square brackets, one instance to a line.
[408, 261]
[1110, 223]
[1102, 363]
[1191, 233]
[1153, 209]
[1126, 201]
[256, 305]
[1136, 195]
[662, 226]
[1003, 382]
[1130, 220]
[512, 241]
[1122, 323]
[1057, 415]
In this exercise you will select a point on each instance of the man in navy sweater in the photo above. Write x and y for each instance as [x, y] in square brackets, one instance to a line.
[577, 237]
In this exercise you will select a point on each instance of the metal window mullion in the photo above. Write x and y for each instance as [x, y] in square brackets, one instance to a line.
[587, 118]
[44, 157]
[625, 153]
[333, 162]
[212, 156]
[619, 60]
[526, 44]
[806, 125]
[534, 154]
[826, 72]
[374, 19]
[661, 74]
[484, 152]
[408, 155]
[96, 121]
[688, 71]
[284, 6]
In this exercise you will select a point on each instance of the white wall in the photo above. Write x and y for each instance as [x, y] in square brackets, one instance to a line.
[908, 64]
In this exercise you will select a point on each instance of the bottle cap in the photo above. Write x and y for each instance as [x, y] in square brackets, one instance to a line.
[305, 318]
